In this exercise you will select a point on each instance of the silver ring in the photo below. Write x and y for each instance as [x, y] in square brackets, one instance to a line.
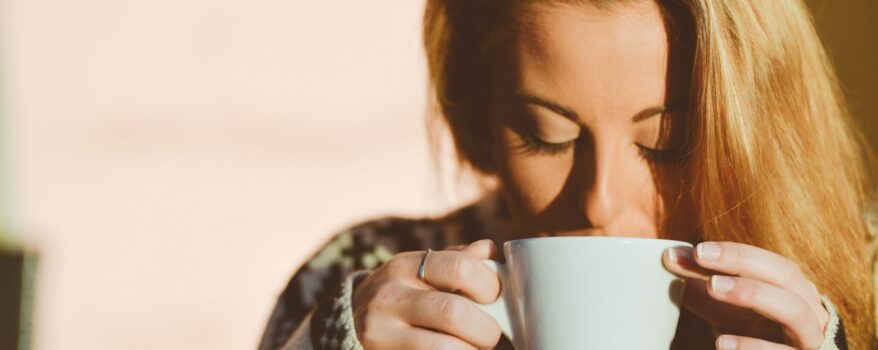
[422, 270]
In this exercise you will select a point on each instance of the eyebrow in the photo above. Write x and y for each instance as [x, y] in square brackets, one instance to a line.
[570, 114]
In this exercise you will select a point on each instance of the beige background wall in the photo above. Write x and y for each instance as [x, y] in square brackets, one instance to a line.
[174, 160]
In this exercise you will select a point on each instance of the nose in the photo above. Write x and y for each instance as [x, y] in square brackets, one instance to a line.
[604, 190]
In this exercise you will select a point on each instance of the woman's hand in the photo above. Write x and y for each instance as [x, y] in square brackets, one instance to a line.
[393, 309]
[756, 298]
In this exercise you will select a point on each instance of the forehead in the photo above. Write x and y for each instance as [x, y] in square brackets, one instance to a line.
[602, 60]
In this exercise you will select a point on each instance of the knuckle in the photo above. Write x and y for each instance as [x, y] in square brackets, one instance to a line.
[386, 296]
[452, 311]
[734, 253]
[449, 344]
[396, 263]
[371, 307]
[794, 269]
[486, 339]
[493, 335]
[379, 302]
[749, 292]
[791, 272]
[442, 345]
[367, 333]
[461, 268]
[815, 343]
[749, 345]
[493, 290]
[802, 311]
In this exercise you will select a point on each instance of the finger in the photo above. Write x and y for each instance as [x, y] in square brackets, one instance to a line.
[697, 300]
[451, 314]
[419, 338]
[681, 261]
[482, 249]
[459, 272]
[774, 303]
[458, 247]
[725, 317]
[733, 342]
[760, 264]
[720, 315]
[752, 262]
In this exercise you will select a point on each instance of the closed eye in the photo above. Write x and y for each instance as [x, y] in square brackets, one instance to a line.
[534, 145]
[658, 155]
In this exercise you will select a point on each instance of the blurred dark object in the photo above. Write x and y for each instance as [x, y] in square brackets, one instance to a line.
[17, 269]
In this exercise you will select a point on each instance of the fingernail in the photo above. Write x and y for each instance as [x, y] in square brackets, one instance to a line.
[679, 255]
[708, 251]
[726, 343]
[721, 284]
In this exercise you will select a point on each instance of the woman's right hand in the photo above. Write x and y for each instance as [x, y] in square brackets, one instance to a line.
[393, 309]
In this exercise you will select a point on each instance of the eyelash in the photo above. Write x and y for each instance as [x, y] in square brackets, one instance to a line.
[657, 155]
[536, 146]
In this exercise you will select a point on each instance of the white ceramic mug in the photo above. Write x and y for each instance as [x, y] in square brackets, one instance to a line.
[587, 293]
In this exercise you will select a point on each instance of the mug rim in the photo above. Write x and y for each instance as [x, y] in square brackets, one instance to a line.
[598, 238]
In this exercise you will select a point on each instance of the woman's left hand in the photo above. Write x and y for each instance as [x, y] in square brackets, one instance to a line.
[757, 299]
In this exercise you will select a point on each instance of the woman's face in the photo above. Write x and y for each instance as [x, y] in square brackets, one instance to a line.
[579, 98]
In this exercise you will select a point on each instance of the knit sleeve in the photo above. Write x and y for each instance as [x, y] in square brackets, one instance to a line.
[314, 287]
[833, 336]
[331, 324]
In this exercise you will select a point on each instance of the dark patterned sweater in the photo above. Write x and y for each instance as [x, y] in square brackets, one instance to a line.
[314, 311]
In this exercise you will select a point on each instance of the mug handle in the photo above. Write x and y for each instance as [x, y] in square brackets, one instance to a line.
[499, 309]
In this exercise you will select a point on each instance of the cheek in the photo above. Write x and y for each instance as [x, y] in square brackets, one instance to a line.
[674, 207]
[649, 202]
[637, 185]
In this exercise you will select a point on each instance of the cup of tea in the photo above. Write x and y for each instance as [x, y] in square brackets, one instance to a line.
[587, 293]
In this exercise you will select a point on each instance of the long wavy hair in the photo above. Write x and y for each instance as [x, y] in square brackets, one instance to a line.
[773, 158]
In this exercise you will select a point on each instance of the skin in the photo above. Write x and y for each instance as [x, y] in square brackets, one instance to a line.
[579, 99]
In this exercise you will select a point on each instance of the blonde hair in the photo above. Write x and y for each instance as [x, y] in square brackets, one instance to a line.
[773, 161]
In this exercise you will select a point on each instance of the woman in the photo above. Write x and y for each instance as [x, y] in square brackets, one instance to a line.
[718, 122]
